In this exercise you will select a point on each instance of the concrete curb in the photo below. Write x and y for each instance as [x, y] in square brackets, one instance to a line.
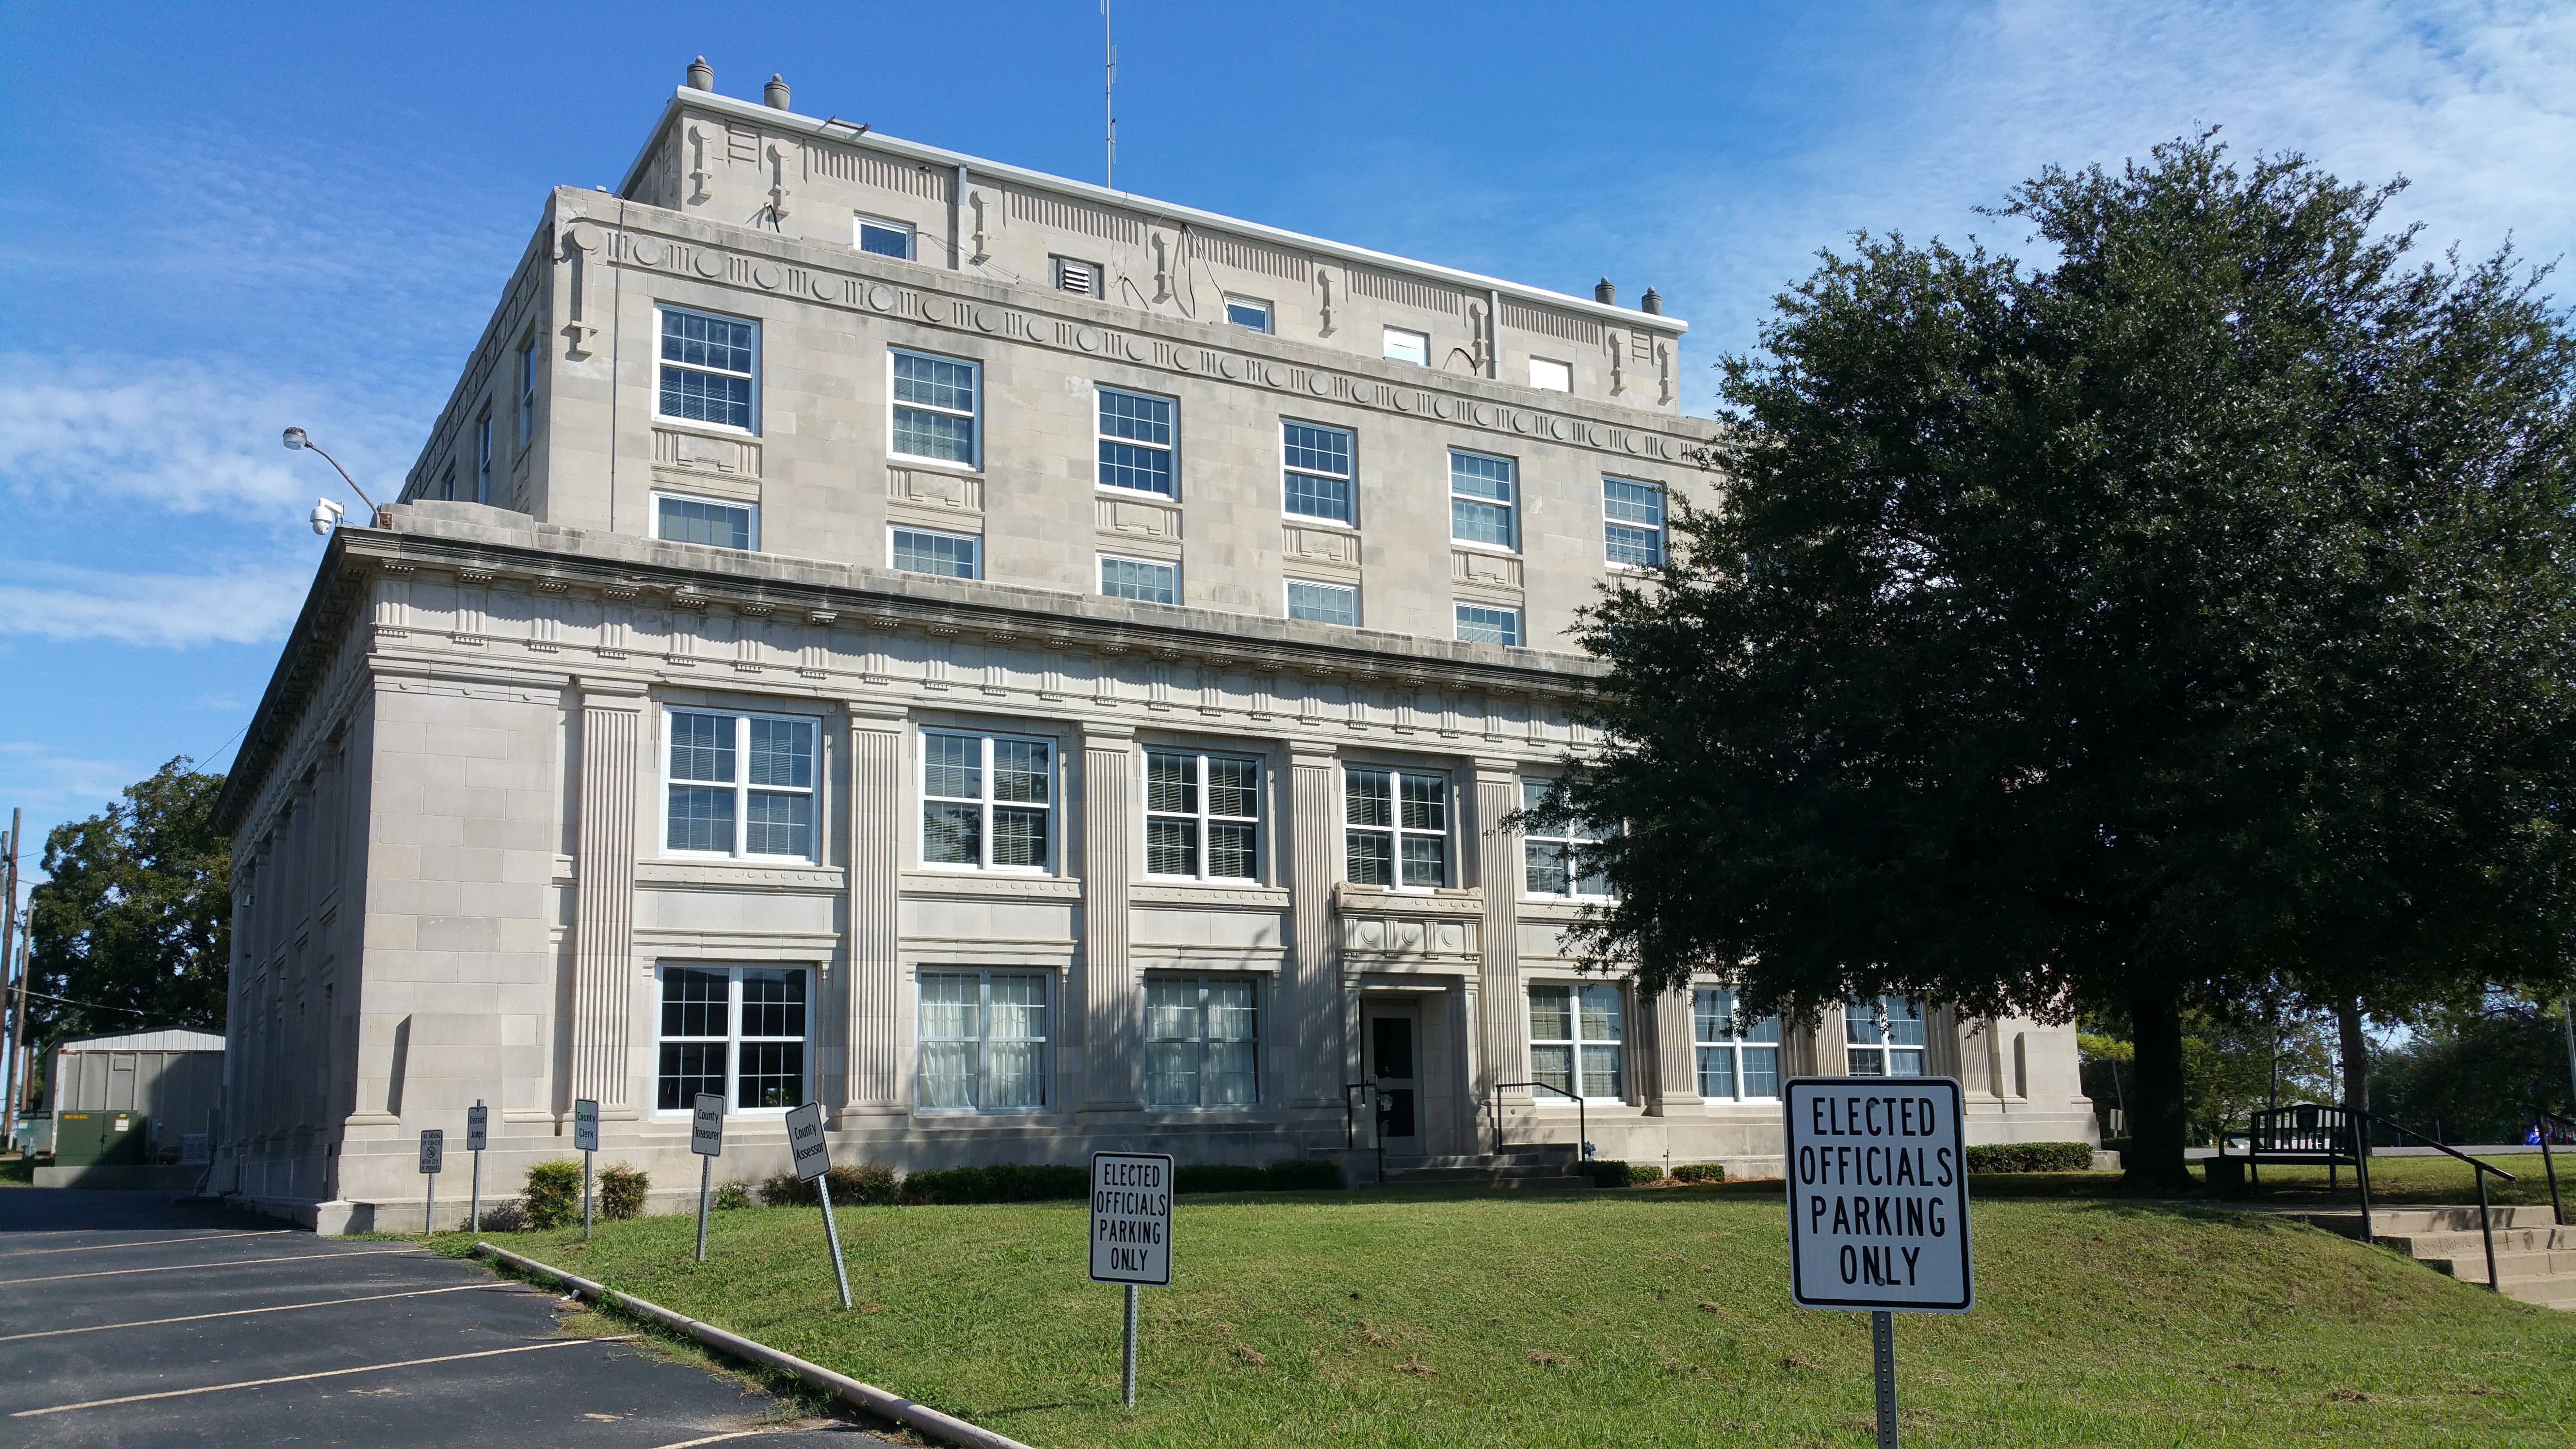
[943, 1427]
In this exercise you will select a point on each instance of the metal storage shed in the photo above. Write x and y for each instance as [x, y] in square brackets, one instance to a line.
[172, 1079]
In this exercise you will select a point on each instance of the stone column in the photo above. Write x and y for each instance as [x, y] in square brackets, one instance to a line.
[612, 739]
[1113, 1011]
[873, 1076]
[1676, 1084]
[1495, 857]
[1314, 994]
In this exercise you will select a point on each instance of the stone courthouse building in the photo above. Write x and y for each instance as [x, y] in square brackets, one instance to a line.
[1031, 668]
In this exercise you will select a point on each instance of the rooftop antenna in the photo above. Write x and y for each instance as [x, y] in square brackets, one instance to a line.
[1109, 97]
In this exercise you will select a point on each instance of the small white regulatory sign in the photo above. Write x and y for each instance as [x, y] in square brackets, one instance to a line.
[1878, 1194]
[585, 1125]
[1131, 1218]
[706, 1125]
[805, 1139]
[477, 1118]
[433, 1149]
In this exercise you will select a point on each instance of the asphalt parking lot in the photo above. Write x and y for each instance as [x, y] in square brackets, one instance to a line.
[128, 1320]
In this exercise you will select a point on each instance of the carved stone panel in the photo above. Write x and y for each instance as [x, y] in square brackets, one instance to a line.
[924, 488]
[695, 452]
[1136, 519]
[1492, 570]
[1320, 547]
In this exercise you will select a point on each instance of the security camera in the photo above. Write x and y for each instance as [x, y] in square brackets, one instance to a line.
[326, 515]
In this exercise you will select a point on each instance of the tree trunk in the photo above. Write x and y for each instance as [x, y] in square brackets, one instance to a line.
[2356, 1063]
[2156, 1114]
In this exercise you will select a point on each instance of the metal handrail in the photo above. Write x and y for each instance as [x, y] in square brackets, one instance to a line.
[1582, 1119]
[2486, 1225]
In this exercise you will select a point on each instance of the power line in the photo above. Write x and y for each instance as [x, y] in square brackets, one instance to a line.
[90, 1005]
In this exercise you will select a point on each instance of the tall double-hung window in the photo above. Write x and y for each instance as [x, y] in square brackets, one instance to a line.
[527, 389]
[1395, 826]
[1575, 1040]
[1484, 493]
[1632, 522]
[710, 369]
[1738, 1061]
[736, 1031]
[1136, 441]
[987, 801]
[483, 457]
[1202, 1042]
[1883, 1037]
[1320, 482]
[983, 1037]
[935, 409]
[740, 784]
[1202, 815]
[928, 551]
[1554, 862]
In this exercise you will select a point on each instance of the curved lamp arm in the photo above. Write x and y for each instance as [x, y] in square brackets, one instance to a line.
[297, 441]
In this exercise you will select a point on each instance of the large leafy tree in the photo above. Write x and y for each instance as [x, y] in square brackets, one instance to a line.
[134, 922]
[2183, 617]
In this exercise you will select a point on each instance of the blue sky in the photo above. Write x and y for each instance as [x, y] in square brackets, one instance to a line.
[217, 221]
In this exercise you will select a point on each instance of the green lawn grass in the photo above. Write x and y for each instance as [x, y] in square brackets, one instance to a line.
[2397, 1181]
[1623, 1318]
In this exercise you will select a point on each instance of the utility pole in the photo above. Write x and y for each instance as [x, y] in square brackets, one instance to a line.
[10, 962]
[1109, 97]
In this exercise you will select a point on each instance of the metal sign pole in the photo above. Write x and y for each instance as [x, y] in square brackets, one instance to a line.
[585, 1136]
[1127, 1377]
[433, 1156]
[706, 1175]
[475, 1124]
[429, 1207]
[1882, 1345]
[706, 1138]
[585, 1195]
[832, 1233]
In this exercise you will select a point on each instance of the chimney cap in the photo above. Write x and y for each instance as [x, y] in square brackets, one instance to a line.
[702, 76]
[774, 94]
[1653, 301]
[1605, 293]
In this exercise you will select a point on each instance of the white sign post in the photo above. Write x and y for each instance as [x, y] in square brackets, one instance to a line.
[433, 1153]
[1131, 1233]
[706, 1138]
[478, 1118]
[1878, 1206]
[585, 1139]
[814, 1165]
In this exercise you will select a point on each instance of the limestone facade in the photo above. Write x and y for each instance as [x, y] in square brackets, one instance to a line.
[808, 673]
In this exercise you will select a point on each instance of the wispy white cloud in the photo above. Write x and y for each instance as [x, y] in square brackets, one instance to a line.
[58, 601]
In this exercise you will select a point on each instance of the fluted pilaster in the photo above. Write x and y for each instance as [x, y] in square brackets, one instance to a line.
[873, 1071]
[1113, 1012]
[612, 741]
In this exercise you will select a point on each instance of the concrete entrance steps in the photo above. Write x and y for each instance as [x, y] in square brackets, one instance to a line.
[2535, 1259]
[1520, 1168]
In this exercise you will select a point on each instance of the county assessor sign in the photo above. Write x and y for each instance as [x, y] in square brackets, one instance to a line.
[1878, 1194]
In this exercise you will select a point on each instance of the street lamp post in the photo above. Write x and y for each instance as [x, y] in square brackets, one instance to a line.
[297, 442]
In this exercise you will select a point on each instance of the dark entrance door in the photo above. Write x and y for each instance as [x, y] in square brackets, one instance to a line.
[1394, 1065]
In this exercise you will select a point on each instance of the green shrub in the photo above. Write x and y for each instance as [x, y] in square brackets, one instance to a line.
[862, 1184]
[621, 1191]
[1305, 1174]
[1218, 1177]
[1700, 1172]
[733, 1192]
[553, 1197]
[1644, 1172]
[504, 1216]
[1605, 1174]
[1011, 1182]
[786, 1189]
[2031, 1157]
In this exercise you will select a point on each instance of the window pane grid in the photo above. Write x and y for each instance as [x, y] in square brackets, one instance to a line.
[706, 368]
[949, 555]
[983, 1038]
[1201, 1042]
[700, 520]
[1884, 1037]
[740, 784]
[1632, 522]
[737, 1032]
[1181, 818]
[1318, 472]
[1736, 1062]
[1481, 495]
[1396, 827]
[987, 801]
[1323, 603]
[1480, 624]
[934, 408]
[1554, 862]
[1143, 580]
[1135, 441]
[1576, 1040]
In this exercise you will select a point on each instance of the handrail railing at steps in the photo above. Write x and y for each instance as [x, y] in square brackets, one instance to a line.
[1582, 1125]
[2541, 1122]
[2486, 1225]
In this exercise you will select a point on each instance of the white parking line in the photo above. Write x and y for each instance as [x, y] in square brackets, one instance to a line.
[736, 1434]
[243, 1312]
[184, 1267]
[149, 1242]
[301, 1378]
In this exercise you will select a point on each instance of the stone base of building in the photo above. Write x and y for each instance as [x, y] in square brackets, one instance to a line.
[155, 1178]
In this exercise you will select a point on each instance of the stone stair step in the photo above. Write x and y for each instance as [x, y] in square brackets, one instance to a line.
[2472, 1244]
[2472, 1267]
[2557, 1291]
[1516, 1172]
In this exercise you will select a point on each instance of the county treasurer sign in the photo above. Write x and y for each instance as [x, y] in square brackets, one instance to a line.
[1878, 1194]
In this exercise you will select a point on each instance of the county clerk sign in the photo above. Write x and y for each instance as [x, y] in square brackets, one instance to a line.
[1878, 1194]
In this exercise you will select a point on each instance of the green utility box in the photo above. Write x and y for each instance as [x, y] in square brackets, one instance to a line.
[101, 1139]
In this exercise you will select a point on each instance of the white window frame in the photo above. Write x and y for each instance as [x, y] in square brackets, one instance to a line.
[1566, 369]
[1396, 831]
[1577, 1043]
[973, 539]
[1269, 314]
[1458, 617]
[1204, 1042]
[733, 1039]
[1609, 523]
[654, 502]
[1572, 837]
[1171, 451]
[1288, 597]
[663, 309]
[860, 221]
[1350, 479]
[1719, 1032]
[983, 1040]
[1202, 814]
[741, 784]
[1095, 276]
[986, 803]
[1872, 1036]
[1511, 506]
[1420, 342]
[973, 414]
[528, 390]
[1102, 576]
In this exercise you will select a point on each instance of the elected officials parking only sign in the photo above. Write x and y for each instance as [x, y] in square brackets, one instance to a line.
[1131, 1218]
[1878, 1194]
